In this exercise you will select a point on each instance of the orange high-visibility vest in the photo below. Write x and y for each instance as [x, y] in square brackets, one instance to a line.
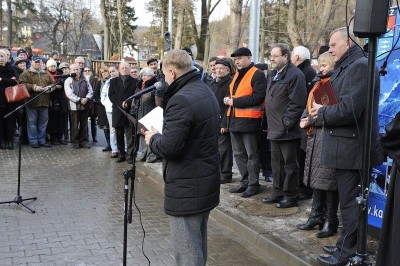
[244, 88]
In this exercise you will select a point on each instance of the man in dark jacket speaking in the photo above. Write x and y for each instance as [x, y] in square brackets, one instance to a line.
[189, 146]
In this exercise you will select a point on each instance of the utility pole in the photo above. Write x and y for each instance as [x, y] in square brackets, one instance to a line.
[254, 29]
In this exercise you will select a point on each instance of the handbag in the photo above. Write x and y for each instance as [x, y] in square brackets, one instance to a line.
[16, 93]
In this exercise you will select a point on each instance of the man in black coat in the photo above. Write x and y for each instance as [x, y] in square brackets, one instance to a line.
[189, 146]
[301, 58]
[284, 104]
[220, 87]
[120, 89]
[342, 140]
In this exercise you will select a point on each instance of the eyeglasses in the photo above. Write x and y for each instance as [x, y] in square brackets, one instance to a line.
[81, 63]
[86, 70]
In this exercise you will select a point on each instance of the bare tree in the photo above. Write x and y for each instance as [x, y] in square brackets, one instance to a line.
[236, 23]
[81, 19]
[106, 31]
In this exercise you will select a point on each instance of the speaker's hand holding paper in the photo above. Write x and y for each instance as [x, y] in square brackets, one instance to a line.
[154, 119]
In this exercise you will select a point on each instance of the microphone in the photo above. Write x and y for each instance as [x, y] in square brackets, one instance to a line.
[139, 94]
[72, 75]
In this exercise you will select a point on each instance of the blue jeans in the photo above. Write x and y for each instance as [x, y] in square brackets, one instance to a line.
[37, 118]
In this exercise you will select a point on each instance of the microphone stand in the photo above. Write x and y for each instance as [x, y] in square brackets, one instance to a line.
[130, 174]
[361, 256]
[19, 199]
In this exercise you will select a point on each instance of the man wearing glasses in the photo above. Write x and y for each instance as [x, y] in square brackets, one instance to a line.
[285, 101]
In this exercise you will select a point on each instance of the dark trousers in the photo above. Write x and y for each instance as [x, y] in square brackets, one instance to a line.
[348, 181]
[121, 132]
[7, 126]
[245, 150]
[265, 155]
[285, 167]
[79, 122]
[225, 155]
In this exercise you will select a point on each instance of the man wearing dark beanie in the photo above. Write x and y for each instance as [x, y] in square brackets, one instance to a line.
[246, 109]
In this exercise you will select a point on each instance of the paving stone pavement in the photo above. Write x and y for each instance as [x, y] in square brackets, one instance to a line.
[79, 214]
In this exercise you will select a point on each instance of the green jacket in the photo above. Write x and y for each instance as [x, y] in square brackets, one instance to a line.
[30, 78]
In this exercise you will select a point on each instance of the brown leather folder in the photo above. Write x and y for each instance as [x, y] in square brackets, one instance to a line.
[325, 94]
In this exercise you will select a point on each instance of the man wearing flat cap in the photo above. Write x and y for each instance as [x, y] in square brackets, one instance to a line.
[153, 64]
[245, 112]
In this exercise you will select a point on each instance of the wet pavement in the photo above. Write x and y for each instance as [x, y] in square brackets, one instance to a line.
[79, 214]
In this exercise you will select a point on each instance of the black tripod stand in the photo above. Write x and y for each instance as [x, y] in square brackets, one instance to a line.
[129, 174]
[19, 199]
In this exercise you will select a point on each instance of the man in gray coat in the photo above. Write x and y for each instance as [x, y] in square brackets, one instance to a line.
[342, 141]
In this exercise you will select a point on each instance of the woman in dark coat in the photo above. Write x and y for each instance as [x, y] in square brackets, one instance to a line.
[7, 125]
[389, 240]
[320, 178]
[102, 120]
[55, 126]
[148, 103]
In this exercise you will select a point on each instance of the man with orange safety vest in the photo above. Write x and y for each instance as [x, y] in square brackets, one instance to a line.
[285, 101]
[245, 113]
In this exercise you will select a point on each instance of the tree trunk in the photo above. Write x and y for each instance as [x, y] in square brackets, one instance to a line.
[106, 37]
[164, 23]
[292, 29]
[120, 31]
[179, 26]
[236, 17]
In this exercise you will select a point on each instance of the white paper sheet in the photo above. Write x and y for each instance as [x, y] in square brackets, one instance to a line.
[153, 119]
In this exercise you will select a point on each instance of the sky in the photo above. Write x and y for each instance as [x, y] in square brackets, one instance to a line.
[144, 19]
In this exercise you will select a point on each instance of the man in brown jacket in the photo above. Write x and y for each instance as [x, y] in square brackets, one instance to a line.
[37, 80]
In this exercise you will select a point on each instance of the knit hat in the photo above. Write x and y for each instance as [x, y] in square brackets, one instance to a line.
[241, 51]
[18, 60]
[63, 65]
[151, 60]
[21, 51]
[51, 62]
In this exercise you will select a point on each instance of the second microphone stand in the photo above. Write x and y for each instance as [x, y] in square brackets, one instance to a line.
[20, 109]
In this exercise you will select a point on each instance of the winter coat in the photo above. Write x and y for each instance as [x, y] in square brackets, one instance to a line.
[6, 75]
[189, 146]
[284, 103]
[389, 240]
[309, 74]
[258, 83]
[75, 90]
[221, 89]
[31, 78]
[148, 100]
[102, 116]
[344, 122]
[118, 92]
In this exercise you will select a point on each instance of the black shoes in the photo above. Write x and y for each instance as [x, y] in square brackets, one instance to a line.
[328, 230]
[332, 261]
[330, 249]
[311, 223]
[250, 191]
[239, 189]
[108, 148]
[46, 145]
[121, 159]
[285, 203]
[35, 145]
[225, 179]
[272, 199]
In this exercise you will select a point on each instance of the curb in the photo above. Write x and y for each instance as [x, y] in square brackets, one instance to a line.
[264, 241]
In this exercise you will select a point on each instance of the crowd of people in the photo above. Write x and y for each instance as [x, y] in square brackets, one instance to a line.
[271, 120]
